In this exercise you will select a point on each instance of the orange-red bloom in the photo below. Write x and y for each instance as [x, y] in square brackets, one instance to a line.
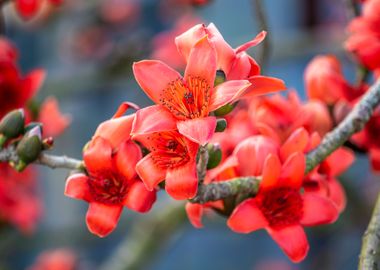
[235, 63]
[172, 156]
[281, 209]
[58, 259]
[191, 98]
[53, 121]
[364, 39]
[112, 182]
[29, 8]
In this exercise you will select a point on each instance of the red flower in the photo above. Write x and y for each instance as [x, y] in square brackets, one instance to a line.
[281, 209]
[236, 63]
[278, 117]
[364, 40]
[29, 8]
[192, 98]
[54, 122]
[58, 259]
[112, 182]
[324, 79]
[20, 203]
[172, 157]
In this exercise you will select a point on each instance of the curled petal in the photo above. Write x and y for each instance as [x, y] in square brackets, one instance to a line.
[77, 187]
[182, 182]
[115, 130]
[194, 212]
[261, 85]
[154, 77]
[102, 219]
[126, 159]
[202, 61]
[296, 142]
[318, 210]
[124, 107]
[247, 217]
[149, 172]
[254, 42]
[292, 240]
[227, 92]
[293, 170]
[198, 130]
[153, 119]
[139, 198]
[98, 156]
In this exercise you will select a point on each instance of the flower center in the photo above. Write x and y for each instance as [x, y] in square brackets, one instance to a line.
[187, 100]
[281, 206]
[109, 188]
[170, 149]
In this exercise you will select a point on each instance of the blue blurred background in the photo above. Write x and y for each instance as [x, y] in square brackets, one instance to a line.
[88, 57]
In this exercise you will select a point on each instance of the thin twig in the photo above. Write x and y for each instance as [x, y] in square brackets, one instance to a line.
[260, 15]
[370, 252]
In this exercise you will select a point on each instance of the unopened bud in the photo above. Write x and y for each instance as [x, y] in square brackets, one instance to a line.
[12, 125]
[220, 77]
[214, 155]
[224, 110]
[29, 148]
[47, 143]
[221, 125]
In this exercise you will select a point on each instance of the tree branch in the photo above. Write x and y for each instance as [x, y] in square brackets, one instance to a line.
[370, 252]
[354, 122]
[202, 164]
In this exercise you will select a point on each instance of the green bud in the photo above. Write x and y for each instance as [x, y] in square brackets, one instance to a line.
[224, 110]
[12, 125]
[29, 148]
[221, 125]
[220, 77]
[214, 155]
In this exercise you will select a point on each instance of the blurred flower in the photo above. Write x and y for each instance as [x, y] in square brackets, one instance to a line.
[120, 11]
[53, 121]
[29, 8]
[364, 39]
[281, 209]
[164, 47]
[112, 182]
[58, 259]
[20, 203]
[191, 98]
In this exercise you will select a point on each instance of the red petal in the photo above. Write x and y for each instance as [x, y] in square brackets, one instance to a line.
[77, 187]
[271, 172]
[126, 159]
[28, 8]
[149, 173]
[116, 130]
[124, 107]
[296, 142]
[102, 219]
[247, 217]
[254, 42]
[318, 210]
[227, 92]
[194, 212]
[182, 182]
[374, 155]
[185, 42]
[293, 170]
[154, 77]
[153, 119]
[33, 82]
[98, 156]
[198, 130]
[139, 198]
[54, 122]
[202, 62]
[292, 240]
[337, 194]
[339, 161]
[263, 85]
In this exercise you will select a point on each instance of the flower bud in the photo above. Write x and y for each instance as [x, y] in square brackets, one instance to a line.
[220, 77]
[47, 143]
[29, 148]
[224, 110]
[12, 125]
[32, 125]
[221, 125]
[214, 155]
